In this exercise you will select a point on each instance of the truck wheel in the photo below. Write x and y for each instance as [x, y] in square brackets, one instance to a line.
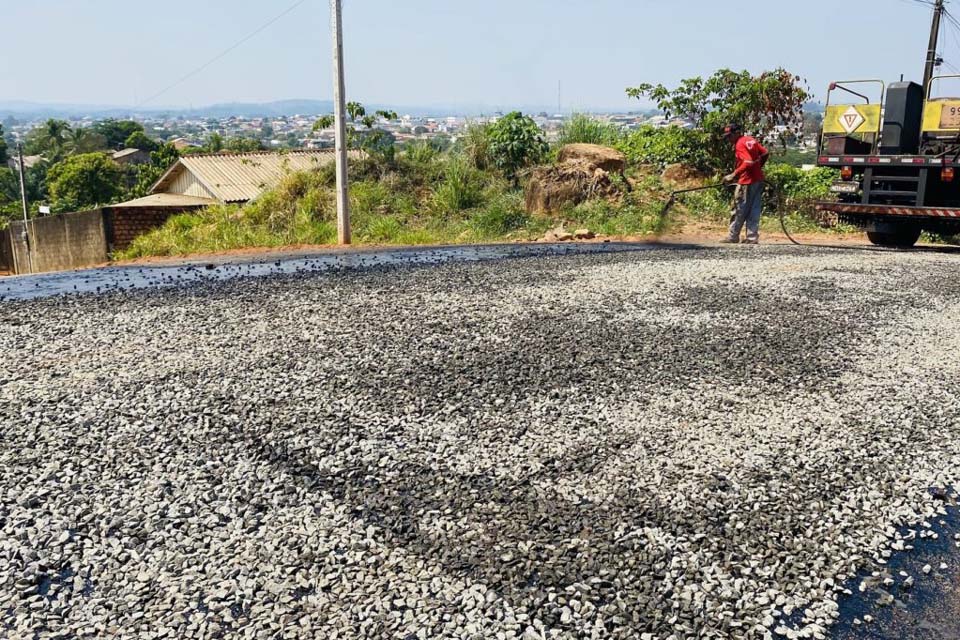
[903, 237]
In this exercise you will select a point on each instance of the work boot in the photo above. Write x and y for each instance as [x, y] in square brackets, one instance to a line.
[751, 242]
[730, 241]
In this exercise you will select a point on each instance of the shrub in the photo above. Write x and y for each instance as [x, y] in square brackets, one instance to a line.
[788, 183]
[476, 146]
[795, 191]
[420, 152]
[669, 145]
[461, 188]
[516, 142]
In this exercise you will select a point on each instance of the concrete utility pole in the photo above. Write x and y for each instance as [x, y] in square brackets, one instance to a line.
[932, 60]
[339, 113]
[23, 200]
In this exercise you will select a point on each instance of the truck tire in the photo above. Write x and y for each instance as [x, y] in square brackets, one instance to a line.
[903, 237]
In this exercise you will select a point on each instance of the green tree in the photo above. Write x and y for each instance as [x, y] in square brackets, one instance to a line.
[10, 205]
[146, 175]
[759, 104]
[85, 181]
[323, 122]
[516, 142]
[266, 130]
[377, 142]
[49, 140]
[84, 140]
[355, 110]
[116, 132]
[243, 145]
[369, 120]
[9, 186]
[3, 148]
[140, 140]
[292, 141]
[214, 143]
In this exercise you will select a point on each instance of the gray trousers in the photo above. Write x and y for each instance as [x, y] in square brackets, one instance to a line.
[748, 210]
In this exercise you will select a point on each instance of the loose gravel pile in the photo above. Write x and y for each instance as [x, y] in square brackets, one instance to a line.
[661, 445]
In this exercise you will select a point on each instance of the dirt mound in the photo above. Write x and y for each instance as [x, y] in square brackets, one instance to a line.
[550, 189]
[685, 176]
[610, 160]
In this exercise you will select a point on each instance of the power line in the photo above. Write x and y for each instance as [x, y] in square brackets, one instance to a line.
[954, 32]
[224, 53]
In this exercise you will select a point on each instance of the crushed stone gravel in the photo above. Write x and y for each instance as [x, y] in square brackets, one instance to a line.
[699, 444]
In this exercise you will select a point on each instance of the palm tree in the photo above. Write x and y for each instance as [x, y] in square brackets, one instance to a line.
[50, 139]
[83, 140]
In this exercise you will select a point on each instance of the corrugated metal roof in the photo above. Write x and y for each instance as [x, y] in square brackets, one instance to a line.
[167, 200]
[29, 162]
[126, 152]
[241, 177]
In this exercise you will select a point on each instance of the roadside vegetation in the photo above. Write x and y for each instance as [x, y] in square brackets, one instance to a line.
[470, 191]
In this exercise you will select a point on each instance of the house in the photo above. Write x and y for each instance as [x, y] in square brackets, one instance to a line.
[182, 144]
[236, 178]
[202, 180]
[28, 162]
[130, 157]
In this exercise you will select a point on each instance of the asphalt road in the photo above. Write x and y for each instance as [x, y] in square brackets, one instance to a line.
[711, 443]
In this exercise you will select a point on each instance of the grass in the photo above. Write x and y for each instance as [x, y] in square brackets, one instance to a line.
[460, 189]
[581, 128]
[425, 198]
[633, 217]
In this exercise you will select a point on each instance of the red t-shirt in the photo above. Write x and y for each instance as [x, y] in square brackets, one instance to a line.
[749, 166]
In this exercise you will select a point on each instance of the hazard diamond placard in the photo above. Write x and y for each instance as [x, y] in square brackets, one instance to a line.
[851, 120]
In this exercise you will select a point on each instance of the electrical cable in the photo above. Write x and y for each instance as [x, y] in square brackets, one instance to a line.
[225, 52]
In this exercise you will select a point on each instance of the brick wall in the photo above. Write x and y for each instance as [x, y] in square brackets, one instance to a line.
[126, 223]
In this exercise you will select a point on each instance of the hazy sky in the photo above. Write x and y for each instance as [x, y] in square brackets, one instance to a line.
[429, 52]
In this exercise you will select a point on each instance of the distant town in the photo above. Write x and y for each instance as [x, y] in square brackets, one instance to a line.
[297, 131]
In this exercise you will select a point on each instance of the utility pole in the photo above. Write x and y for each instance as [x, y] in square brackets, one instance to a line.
[340, 123]
[23, 200]
[933, 61]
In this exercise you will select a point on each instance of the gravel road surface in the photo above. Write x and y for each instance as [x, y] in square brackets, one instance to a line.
[701, 444]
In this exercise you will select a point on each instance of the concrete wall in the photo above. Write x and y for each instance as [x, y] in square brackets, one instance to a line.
[60, 243]
[77, 240]
[6, 252]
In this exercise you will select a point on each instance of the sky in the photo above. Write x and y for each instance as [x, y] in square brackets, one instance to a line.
[497, 53]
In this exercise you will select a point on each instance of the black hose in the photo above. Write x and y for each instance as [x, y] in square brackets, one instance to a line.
[783, 225]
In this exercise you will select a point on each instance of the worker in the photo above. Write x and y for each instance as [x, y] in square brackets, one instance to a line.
[749, 178]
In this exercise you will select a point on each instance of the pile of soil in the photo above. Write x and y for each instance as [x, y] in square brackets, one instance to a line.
[550, 189]
[610, 160]
[582, 173]
[685, 176]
